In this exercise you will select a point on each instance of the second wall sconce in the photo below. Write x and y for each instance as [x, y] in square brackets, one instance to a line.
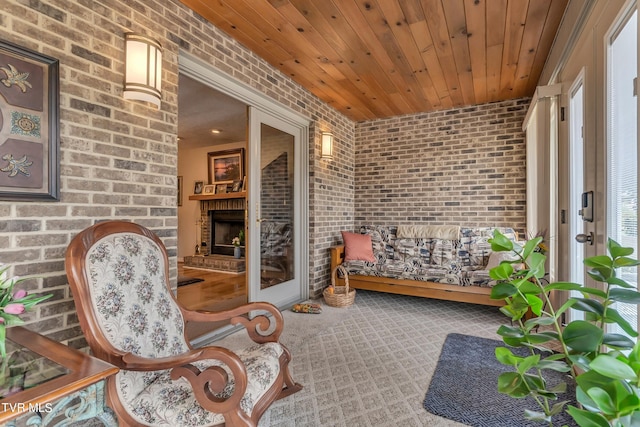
[326, 151]
[143, 69]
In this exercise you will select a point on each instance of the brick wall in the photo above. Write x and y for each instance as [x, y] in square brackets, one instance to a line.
[118, 158]
[461, 167]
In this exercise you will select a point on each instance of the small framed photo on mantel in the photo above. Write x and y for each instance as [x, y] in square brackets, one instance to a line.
[209, 189]
[237, 186]
[197, 187]
[221, 188]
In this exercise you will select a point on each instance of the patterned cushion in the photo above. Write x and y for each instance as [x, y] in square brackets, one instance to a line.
[163, 402]
[128, 289]
[458, 262]
[474, 248]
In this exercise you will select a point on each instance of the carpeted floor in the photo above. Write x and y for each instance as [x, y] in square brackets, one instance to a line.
[370, 364]
[463, 387]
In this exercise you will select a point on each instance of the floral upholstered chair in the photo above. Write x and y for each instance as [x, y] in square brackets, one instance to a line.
[118, 272]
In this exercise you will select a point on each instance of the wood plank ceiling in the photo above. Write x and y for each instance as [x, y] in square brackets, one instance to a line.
[379, 58]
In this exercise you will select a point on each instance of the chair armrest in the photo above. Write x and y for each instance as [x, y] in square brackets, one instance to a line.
[337, 256]
[139, 363]
[210, 385]
[261, 327]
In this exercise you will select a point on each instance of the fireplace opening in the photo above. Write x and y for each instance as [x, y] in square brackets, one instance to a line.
[225, 225]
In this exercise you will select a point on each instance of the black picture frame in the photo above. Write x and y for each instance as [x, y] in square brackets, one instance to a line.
[30, 149]
[198, 187]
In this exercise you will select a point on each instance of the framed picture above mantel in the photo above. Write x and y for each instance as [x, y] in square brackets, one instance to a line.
[225, 167]
[29, 125]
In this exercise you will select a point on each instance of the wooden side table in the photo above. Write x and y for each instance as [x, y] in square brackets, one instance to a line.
[45, 383]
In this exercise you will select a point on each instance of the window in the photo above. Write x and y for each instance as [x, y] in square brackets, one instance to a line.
[622, 162]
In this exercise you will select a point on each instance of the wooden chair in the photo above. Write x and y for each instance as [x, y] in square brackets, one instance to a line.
[118, 272]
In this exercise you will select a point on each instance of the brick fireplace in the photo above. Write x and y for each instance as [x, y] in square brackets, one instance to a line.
[222, 220]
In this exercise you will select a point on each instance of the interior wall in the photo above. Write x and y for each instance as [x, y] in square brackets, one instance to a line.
[463, 166]
[193, 166]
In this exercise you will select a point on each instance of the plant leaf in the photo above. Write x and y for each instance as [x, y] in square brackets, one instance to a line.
[612, 368]
[502, 271]
[557, 366]
[528, 287]
[602, 399]
[530, 246]
[614, 317]
[535, 303]
[500, 243]
[625, 295]
[589, 305]
[528, 363]
[536, 416]
[511, 383]
[503, 290]
[619, 282]
[510, 331]
[536, 264]
[625, 262]
[563, 286]
[582, 336]
[618, 341]
[598, 261]
[542, 321]
[586, 418]
[616, 250]
[506, 357]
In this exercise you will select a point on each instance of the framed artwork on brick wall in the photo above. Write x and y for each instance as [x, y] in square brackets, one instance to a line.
[29, 124]
[226, 166]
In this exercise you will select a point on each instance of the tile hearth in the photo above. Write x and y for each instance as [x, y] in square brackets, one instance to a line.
[216, 262]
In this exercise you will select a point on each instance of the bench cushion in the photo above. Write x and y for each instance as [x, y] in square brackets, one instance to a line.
[461, 261]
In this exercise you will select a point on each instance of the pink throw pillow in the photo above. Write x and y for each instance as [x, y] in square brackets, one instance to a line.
[357, 247]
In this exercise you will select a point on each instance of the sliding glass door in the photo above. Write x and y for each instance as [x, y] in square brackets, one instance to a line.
[274, 210]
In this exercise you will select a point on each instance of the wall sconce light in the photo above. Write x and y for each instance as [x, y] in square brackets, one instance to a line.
[143, 69]
[327, 146]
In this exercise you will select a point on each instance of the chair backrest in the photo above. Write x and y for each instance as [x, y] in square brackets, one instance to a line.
[118, 272]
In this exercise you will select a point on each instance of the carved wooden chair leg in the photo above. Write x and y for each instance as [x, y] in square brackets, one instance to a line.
[291, 386]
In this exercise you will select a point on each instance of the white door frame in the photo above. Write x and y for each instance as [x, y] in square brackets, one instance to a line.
[212, 77]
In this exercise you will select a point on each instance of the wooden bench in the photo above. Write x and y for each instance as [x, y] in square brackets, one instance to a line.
[418, 288]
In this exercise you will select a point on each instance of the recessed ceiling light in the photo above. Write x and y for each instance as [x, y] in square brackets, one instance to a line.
[215, 130]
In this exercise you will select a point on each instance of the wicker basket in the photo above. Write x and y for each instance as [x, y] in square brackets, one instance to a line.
[342, 296]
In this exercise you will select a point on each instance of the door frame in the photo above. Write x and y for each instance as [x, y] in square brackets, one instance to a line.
[216, 79]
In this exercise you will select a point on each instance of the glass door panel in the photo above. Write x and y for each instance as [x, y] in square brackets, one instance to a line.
[622, 152]
[274, 210]
[276, 206]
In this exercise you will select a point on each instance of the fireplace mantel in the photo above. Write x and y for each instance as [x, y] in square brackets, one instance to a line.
[238, 195]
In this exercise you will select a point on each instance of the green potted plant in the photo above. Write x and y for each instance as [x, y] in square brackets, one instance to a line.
[605, 366]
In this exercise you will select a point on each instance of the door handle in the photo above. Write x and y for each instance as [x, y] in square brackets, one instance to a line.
[584, 238]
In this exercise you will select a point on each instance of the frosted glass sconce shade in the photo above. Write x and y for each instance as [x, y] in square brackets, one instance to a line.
[143, 69]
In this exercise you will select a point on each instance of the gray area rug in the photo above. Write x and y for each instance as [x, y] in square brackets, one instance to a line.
[369, 364]
[464, 386]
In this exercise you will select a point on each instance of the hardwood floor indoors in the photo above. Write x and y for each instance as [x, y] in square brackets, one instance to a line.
[218, 291]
